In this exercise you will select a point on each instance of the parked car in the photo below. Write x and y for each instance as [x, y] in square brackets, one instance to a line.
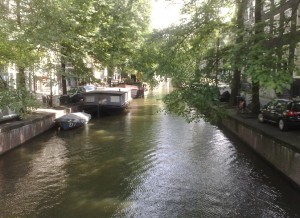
[73, 95]
[88, 88]
[284, 112]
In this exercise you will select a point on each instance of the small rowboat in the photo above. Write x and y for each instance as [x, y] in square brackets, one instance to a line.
[72, 120]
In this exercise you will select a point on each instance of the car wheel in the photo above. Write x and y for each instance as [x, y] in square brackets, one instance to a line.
[261, 118]
[282, 125]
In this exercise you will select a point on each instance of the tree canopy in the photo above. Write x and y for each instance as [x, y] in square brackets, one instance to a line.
[61, 32]
[208, 46]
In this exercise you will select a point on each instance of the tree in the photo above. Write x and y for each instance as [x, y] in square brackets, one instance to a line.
[120, 32]
[191, 54]
[205, 48]
[71, 30]
[107, 31]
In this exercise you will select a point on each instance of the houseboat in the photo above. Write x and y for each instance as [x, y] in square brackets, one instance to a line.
[107, 101]
[137, 89]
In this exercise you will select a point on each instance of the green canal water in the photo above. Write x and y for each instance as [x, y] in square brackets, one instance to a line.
[141, 164]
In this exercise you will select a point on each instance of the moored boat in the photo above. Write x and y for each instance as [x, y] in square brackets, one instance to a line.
[137, 89]
[107, 101]
[72, 120]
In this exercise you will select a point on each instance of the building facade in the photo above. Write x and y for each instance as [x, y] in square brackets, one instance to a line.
[281, 19]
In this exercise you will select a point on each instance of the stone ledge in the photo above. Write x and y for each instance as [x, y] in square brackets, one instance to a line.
[15, 133]
[13, 124]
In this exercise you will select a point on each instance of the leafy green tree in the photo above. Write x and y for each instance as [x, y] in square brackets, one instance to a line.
[205, 49]
[108, 31]
[121, 31]
[190, 54]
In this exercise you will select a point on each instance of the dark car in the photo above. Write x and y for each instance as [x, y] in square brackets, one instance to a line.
[284, 112]
[74, 95]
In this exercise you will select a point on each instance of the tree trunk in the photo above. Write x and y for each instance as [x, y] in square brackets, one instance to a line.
[63, 77]
[255, 84]
[22, 78]
[18, 11]
[21, 83]
[255, 97]
[235, 86]
[236, 80]
[63, 69]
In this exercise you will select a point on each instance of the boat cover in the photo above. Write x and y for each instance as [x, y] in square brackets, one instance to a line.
[77, 117]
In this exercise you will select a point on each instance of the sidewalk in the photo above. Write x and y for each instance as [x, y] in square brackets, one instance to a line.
[291, 136]
[60, 110]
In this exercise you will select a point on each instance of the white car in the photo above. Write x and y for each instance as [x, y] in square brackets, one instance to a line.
[89, 88]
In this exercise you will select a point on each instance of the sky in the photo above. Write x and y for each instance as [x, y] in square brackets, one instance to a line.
[165, 13]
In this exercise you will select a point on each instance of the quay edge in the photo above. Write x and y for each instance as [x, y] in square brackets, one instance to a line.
[274, 146]
[15, 133]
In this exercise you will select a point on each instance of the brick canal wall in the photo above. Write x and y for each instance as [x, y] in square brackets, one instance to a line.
[15, 133]
[278, 152]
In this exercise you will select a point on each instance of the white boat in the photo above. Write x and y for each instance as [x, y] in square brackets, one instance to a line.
[72, 120]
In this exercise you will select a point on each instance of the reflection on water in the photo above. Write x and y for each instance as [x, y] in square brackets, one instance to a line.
[142, 164]
[27, 178]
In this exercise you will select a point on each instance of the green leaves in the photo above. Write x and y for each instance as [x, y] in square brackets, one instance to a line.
[107, 30]
[191, 55]
[207, 48]
[266, 66]
[194, 102]
[49, 34]
[19, 100]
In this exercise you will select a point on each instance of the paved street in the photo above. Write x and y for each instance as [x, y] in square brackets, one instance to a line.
[291, 136]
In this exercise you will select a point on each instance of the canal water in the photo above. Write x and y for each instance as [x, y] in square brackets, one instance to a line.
[141, 164]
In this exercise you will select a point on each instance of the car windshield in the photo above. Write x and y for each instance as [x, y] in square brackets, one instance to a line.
[89, 88]
[72, 91]
[296, 106]
[75, 90]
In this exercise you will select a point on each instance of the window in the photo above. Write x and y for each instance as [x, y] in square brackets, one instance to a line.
[102, 99]
[267, 26]
[276, 2]
[287, 20]
[90, 98]
[115, 99]
[298, 18]
[285, 57]
[296, 106]
[267, 6]
[276, 24]
[296, 73]
[249, 15]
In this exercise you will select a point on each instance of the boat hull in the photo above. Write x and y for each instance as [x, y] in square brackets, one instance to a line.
[103, 110]
[72, 120]
[65, 125]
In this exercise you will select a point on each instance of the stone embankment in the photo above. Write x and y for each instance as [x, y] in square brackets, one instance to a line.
[14, 133]
[280, 149]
